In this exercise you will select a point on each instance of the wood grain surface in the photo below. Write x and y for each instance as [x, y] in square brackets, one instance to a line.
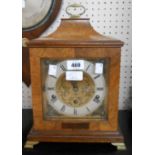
[75, 39]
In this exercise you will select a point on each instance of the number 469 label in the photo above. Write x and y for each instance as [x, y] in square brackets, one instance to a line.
[75, 64]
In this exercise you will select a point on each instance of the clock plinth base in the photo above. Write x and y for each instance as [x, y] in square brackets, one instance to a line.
[120, 146]
[30, 144]
[114, 137]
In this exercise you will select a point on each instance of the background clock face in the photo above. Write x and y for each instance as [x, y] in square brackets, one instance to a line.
[35, 11]
[73, 98]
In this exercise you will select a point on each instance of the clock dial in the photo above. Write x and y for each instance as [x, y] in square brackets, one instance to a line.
[75, 98]
[35, 11]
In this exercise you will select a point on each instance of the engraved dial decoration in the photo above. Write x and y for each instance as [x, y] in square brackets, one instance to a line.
[75, 98]
[75, 93]
[35, 11]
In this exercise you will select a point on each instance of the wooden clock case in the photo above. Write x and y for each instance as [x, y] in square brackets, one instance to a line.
[75, 39]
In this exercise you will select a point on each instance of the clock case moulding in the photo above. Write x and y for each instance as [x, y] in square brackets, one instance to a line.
[80, 39]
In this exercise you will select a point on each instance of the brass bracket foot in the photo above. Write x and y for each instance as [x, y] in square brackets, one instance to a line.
[120, 146]
[30, 144]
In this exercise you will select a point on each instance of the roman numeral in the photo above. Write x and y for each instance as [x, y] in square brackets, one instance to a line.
[63, 108]
[62, 67]
[75, 112]
[97, 99]
[53, 76]
[88, 109]
[53, 98]
[100, 88]
[97, 76]
[87, 68]
[50, 88]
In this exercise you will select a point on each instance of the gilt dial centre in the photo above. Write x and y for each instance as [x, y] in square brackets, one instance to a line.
[75, 93]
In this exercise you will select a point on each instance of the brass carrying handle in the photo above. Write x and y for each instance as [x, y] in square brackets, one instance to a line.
[75, 6]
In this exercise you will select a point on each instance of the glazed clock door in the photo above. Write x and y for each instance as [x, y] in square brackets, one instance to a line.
[74, 89]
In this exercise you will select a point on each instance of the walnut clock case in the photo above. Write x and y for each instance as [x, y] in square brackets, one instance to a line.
[75, 76]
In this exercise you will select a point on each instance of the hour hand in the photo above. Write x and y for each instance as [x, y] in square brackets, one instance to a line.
[75, 85]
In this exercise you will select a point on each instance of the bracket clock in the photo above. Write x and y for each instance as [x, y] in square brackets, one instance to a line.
[75, 76]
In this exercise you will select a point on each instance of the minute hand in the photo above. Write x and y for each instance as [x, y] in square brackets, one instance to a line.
[75, 85]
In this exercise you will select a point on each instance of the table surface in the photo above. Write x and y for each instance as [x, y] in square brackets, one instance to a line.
[125, 122]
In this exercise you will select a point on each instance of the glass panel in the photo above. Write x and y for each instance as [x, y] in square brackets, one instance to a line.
[35, 12]
[75, 88]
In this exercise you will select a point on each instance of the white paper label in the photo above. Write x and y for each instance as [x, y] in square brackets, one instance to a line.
[99, 68]
[52, 70]
[74, 75]
[75, 65]
[23, 3]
